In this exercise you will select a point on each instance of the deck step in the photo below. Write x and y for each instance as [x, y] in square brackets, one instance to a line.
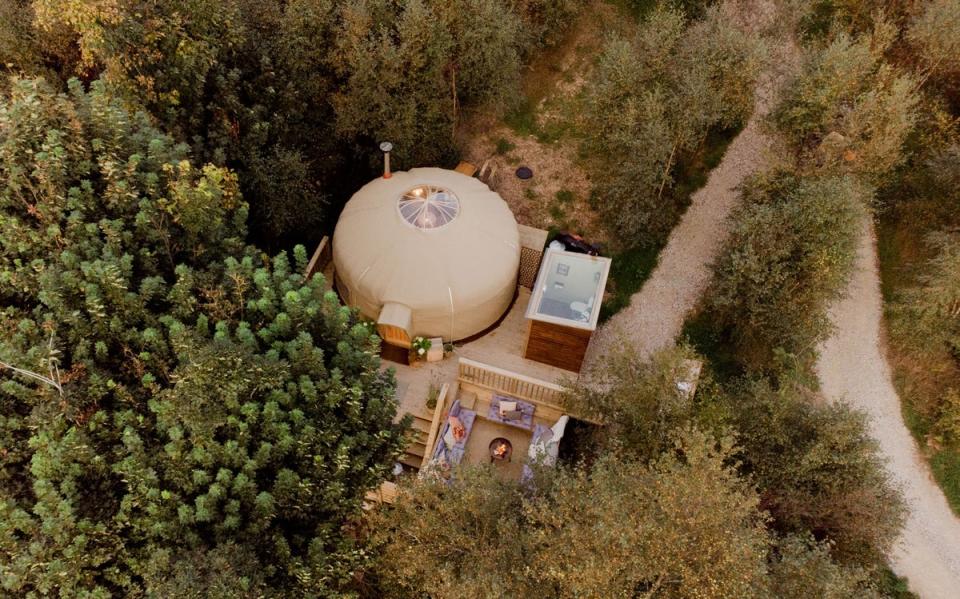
[417, 449]
[411, 460]
[420, 424]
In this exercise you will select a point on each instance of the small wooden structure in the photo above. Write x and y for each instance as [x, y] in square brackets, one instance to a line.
[565, 308]
[532, 243]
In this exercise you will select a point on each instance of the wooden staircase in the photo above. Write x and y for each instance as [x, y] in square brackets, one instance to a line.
[420, 430]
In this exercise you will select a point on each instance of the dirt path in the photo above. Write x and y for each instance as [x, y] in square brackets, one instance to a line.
[852, 367]
[655, 316]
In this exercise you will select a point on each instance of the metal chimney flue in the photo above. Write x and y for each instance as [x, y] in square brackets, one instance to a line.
[385, 147]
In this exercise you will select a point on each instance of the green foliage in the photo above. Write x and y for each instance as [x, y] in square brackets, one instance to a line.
[935, 36]
[712, 547]
[694, 9]
[804, 569]
[848, 111]
[817, 469]
[545, 21]
[504, 146]
[637, 401]
[788, 255]
[409, 66]
[211, 398]
[917, 246]
[244, 82]
[823, 17]
[461, 538]
[228, 570]
[295, 96]
[26, 49]
[453, 539]
[653, 99]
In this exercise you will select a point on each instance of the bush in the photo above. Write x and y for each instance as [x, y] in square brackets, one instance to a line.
[545, 21]
[804, 568]
[408, 67]
[197, 395]
[791, 248]
[481, 537]
[848, 111]
[654, 98]
[637, 401]
[817, 469]
[935, 37]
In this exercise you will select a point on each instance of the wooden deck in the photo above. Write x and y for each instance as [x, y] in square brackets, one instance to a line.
[501, 348]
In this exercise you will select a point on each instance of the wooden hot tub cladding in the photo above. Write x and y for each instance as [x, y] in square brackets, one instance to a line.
[557, 345]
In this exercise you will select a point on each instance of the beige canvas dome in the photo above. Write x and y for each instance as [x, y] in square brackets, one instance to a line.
[432, 241]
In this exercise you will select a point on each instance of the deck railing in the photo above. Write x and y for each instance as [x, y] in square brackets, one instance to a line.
[321, 257]
[509, 383]
[435, 423]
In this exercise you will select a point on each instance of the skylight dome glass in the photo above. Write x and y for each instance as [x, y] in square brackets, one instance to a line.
[429, 206]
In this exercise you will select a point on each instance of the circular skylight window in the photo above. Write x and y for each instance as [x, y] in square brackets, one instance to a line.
[429, 206]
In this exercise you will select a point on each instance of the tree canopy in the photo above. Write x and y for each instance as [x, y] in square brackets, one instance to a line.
[197, 394]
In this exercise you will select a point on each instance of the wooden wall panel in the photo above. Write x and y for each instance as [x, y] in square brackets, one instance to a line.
[556, 345]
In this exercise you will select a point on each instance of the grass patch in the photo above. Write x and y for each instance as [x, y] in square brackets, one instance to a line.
[893, 586]
[628, 272]
[945, 465]
[504, 146]
[557, 213]
[523, 120]
[565, 196]
[922, 373]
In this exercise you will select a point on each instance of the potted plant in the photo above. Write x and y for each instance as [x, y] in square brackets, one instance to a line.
[433, 391]
[420, 346]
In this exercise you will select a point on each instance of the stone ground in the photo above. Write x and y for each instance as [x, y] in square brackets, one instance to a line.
[852, 368]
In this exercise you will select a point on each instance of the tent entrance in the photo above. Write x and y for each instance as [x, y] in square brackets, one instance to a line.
[393, 326]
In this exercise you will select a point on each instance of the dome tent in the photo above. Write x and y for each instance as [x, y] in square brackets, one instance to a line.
[432, 249]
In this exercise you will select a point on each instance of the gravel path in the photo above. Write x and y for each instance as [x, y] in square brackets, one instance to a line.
[656, 313]
[852, 367]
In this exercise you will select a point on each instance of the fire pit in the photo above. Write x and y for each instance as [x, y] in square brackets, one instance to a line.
[500, 450]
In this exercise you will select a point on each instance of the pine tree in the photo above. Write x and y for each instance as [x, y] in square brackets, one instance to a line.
[197, 393]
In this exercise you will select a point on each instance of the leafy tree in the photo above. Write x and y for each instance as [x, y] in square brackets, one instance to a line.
[545, 21]
[637, 401]
[817, 469]
[823, 17]
[925, 320]
[246, 83]
[197, 396]
[803, 568]
[26, 49]
[935, 36]
[790, 250]
[652, 99]
[619, 528]
[849, 111]
[685, 526]
[467, 537]
[409, 67]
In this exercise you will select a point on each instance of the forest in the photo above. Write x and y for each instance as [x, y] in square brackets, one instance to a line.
[185, 413]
